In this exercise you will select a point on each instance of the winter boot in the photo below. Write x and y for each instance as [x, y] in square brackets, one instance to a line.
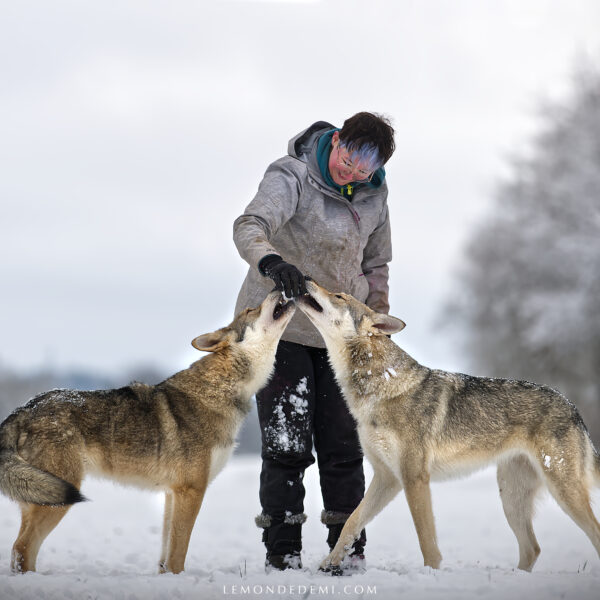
[355, 561]
[283, 541]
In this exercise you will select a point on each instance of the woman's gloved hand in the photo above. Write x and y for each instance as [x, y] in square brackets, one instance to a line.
[287, 278]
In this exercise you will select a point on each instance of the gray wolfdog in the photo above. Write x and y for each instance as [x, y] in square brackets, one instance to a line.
[175, 436]
[416, 424]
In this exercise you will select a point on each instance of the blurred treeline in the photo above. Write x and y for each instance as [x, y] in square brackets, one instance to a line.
[16, 388]
[526, 300]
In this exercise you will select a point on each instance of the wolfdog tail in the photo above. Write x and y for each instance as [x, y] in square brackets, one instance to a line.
[23, 482]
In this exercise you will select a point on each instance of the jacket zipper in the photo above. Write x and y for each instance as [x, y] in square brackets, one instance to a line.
[347, 204]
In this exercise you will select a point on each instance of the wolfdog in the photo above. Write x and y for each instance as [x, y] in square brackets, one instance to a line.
[175, 436]
[417, 424]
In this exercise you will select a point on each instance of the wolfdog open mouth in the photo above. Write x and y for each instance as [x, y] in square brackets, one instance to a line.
[280, 308]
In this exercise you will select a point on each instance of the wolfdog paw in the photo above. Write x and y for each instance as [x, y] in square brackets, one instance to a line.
[334, 570]
[349, 565]
[17, 563]
[433, 561]
[332, 563]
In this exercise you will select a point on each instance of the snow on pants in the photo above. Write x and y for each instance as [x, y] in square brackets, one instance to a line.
[302, 402]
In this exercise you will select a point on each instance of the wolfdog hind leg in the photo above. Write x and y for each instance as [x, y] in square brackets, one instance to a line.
[519, 484]
[568, 484]
[36, 523]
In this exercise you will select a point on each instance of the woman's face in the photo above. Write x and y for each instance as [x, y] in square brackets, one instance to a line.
[342, 168]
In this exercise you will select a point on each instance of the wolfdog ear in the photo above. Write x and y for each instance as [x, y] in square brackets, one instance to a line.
[210, 342]
[387, 324]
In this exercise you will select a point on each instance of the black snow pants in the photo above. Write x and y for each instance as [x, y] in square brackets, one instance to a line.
[303, 402]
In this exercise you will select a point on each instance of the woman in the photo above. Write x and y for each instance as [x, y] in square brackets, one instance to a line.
[320, 211]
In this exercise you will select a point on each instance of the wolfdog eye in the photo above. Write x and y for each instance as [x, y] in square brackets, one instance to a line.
[340, 297]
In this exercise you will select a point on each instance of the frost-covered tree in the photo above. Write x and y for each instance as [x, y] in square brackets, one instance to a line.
[527, 297]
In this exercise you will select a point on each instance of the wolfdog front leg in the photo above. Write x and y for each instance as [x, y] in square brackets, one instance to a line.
[383, 488]
[418, 496]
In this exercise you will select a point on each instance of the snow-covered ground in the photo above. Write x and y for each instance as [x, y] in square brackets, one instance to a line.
[108, 549]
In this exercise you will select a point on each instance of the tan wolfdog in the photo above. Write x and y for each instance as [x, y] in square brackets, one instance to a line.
[176, 435]
[416, 424]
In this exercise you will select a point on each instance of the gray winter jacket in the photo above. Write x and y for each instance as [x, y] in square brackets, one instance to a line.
[344, 246]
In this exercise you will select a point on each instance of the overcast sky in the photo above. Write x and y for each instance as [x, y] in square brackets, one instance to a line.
[132, 133]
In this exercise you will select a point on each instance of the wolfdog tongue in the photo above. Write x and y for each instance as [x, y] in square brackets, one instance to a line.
[310, 300]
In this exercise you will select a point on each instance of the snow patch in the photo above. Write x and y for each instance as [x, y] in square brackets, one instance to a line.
[82, 557]
[291, 405]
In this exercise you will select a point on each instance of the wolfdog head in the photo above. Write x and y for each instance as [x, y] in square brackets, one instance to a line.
[253, 329]
[340, 317]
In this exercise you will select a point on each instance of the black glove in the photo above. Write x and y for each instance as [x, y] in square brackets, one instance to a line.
[287, 277]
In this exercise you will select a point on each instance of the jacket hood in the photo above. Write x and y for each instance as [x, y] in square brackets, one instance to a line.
[301, 144]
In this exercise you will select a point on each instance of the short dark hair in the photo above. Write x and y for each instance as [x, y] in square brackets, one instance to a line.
[367, 131]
